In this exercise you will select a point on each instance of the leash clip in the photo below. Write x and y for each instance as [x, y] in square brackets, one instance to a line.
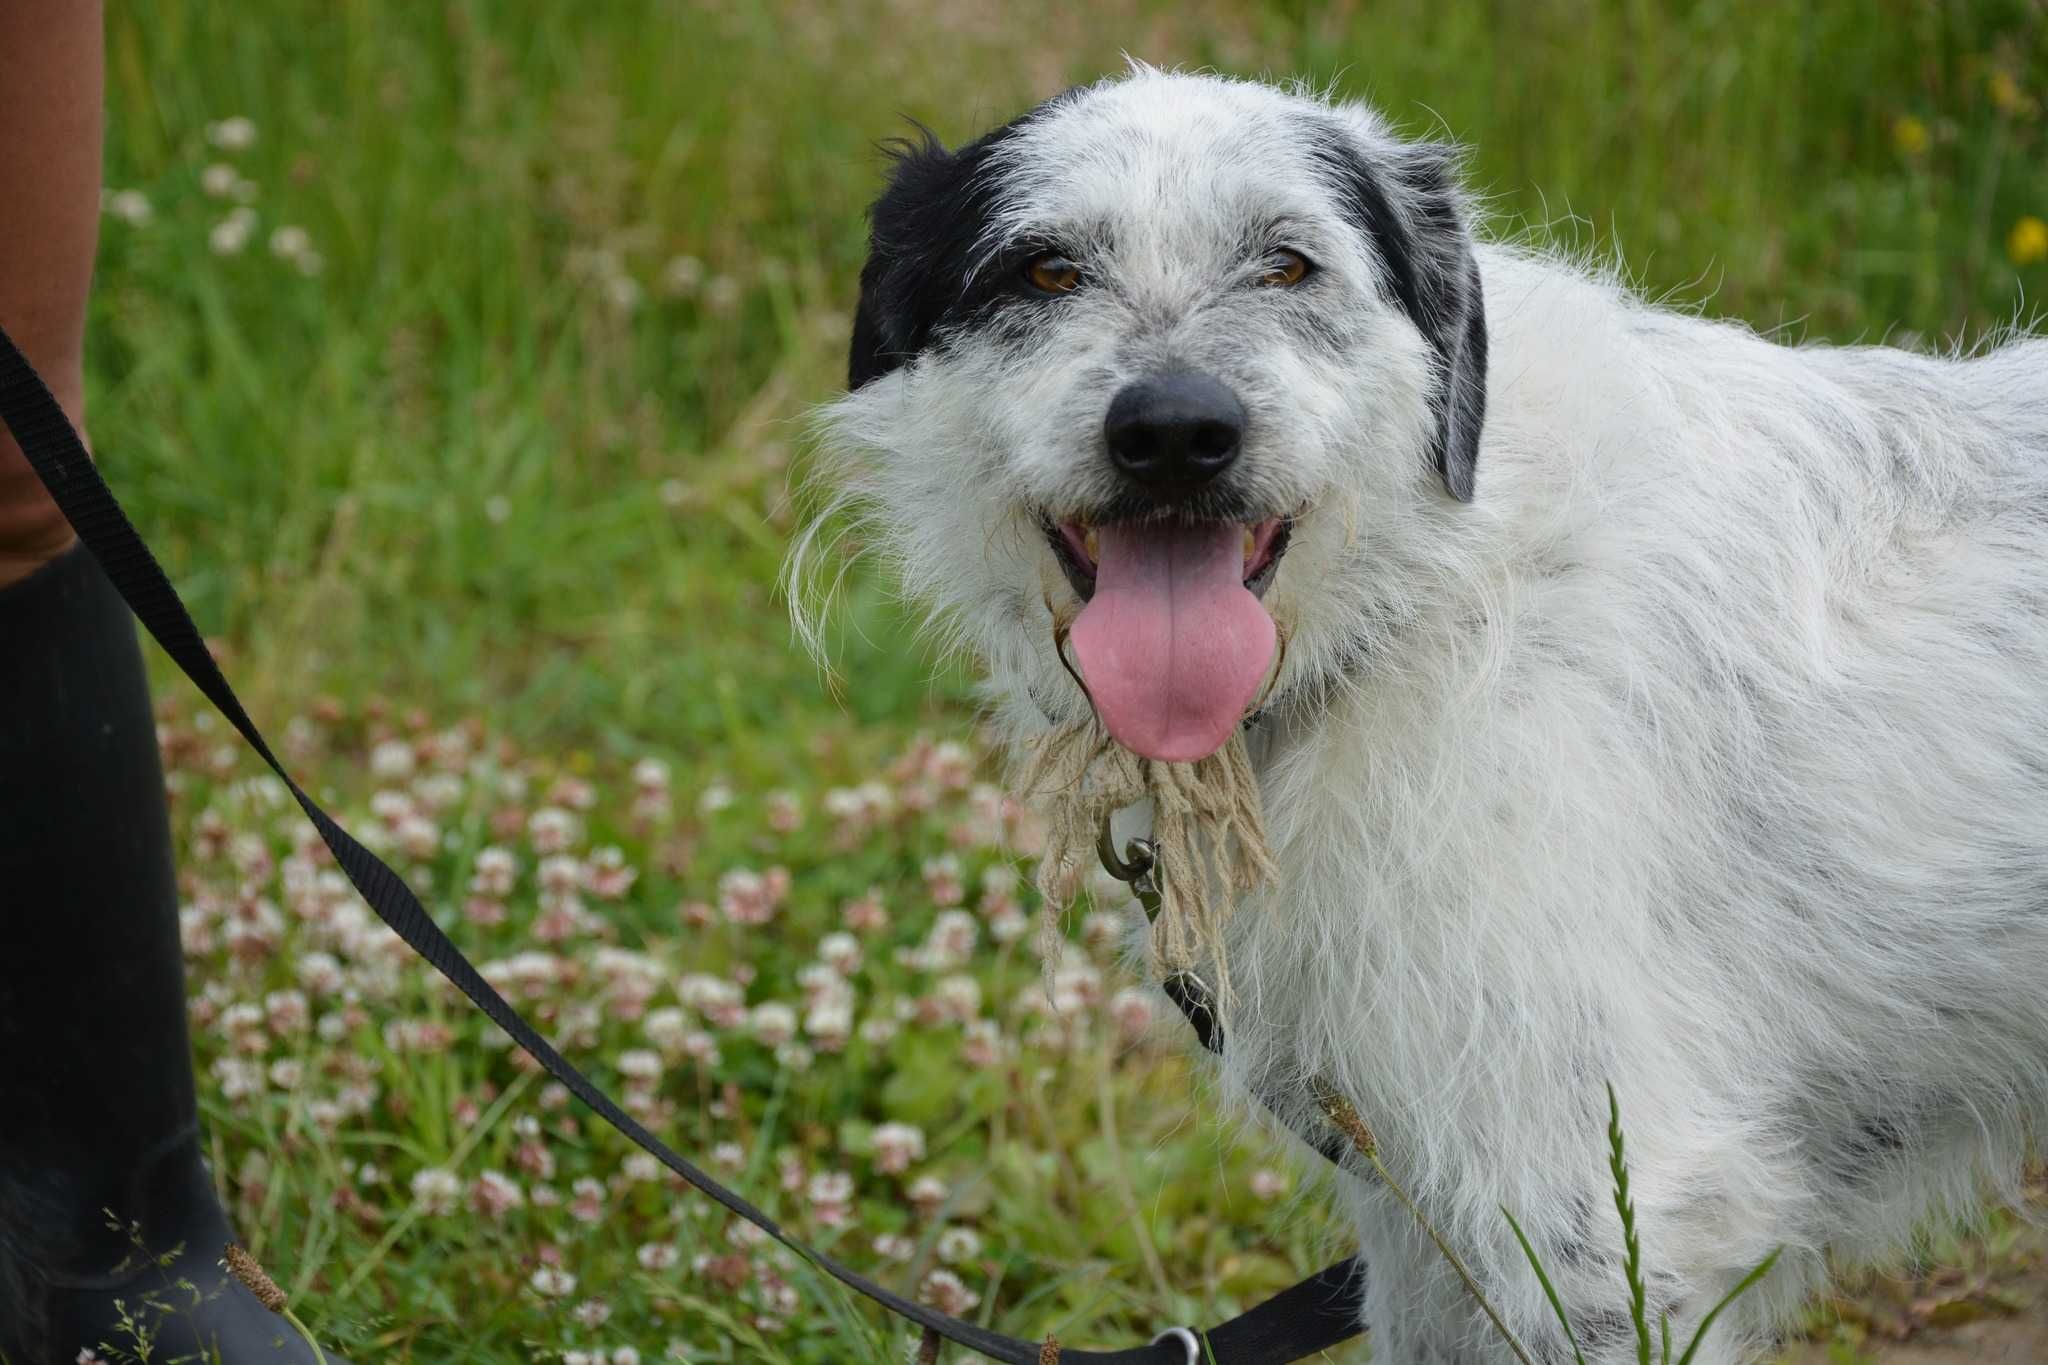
[1189, 1342]
[1137, 869]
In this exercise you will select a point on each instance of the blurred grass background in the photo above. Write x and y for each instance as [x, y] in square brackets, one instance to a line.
[477, 378]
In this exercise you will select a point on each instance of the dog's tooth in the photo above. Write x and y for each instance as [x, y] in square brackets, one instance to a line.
[1090, 540]
[1251, 545]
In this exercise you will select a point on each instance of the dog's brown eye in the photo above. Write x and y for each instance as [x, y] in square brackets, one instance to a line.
[1284, 268]
[1052, 273]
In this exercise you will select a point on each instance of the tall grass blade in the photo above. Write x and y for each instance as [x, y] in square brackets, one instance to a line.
[1632, 1264]
[1747, 1282]
[1549, 1290]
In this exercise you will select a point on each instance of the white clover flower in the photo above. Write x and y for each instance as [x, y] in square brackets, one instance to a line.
[927, 1192]
[495, 1194]
[681, 276]
[219, 180]
[819, 983]
[552, 1282]
[438, 791]
[657, 1255]
[286, 1011]
[722, 295]
[560, 873]
[666, 1028]
[390, 806]
[831, 1023]
[418, 836]
[592, 1312]
[622, 293]
[391, 760]
[497, 871]
[435, 1190]
[231, 233]
[959, 1244]
[1132, 1010]
[609, 876]
[830, 1187]
[130, 206]
[235, 134]
[897, 1145]
[497, 509]
[1075, 987]
[242, 1017]
[958, 997]
[552, 829]
[290, 242]
[943, 1290]
[721, 1002]
[1102, 928]
[586, 1202]
[1008, 926]
[840, 951]
[773, 1023]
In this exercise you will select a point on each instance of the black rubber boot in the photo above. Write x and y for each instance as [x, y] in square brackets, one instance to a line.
[97, 1113]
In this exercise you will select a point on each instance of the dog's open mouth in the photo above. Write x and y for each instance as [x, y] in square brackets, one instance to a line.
[1077, 547]
[1173, 643]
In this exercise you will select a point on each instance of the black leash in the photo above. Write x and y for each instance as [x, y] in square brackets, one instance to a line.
[1318, 1313]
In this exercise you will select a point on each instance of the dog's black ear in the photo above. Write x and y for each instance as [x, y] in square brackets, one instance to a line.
[869, 357]
[1405, 198]
[922, 235]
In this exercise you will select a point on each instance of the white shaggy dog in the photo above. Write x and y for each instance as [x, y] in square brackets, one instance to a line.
[1660, 704]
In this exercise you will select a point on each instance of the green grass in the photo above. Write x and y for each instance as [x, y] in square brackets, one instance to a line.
[502, 461]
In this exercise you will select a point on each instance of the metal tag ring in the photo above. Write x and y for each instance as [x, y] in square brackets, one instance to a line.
[1188, 1341]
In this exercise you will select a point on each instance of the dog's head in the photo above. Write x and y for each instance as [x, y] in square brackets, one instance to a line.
[1170, 360]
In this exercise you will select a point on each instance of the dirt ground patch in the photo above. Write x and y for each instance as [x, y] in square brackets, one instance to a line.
[1976, 1301]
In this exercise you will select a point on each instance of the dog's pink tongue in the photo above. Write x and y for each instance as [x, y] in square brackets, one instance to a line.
[1172, 645]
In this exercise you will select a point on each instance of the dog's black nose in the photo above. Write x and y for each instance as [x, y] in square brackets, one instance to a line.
[1173, 433]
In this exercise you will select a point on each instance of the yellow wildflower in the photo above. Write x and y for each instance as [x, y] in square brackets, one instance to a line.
[2027, 243]
[2004, 91]
[1909, 134]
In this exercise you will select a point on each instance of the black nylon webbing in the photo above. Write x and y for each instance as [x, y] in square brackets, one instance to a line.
[1317, 1313]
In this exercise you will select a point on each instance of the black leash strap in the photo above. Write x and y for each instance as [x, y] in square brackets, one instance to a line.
[1315, 1314]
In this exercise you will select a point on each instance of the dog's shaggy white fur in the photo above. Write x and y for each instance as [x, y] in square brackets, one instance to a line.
[1679, 719]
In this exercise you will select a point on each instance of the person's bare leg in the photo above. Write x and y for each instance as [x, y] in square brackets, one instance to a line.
[97, 1108]
[50, 90]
